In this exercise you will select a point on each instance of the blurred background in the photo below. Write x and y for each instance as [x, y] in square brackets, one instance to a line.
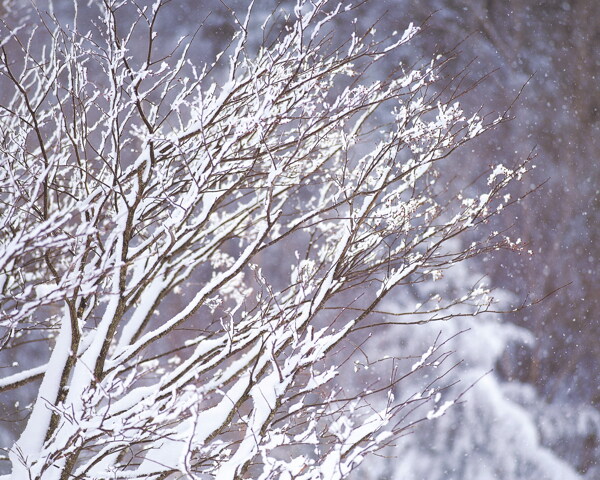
[537, 415]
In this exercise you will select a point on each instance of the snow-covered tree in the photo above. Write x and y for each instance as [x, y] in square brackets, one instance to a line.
[145, 202]
[492, 432]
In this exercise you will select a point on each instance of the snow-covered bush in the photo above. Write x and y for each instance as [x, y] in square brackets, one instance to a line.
[492, 430]
[189, 258]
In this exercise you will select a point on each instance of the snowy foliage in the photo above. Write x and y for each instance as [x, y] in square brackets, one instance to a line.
[491, 431]
[142, 196]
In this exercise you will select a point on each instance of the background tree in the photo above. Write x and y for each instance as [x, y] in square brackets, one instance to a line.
[143, 196]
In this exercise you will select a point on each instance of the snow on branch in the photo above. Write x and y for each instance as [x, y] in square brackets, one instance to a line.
[197, 256]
